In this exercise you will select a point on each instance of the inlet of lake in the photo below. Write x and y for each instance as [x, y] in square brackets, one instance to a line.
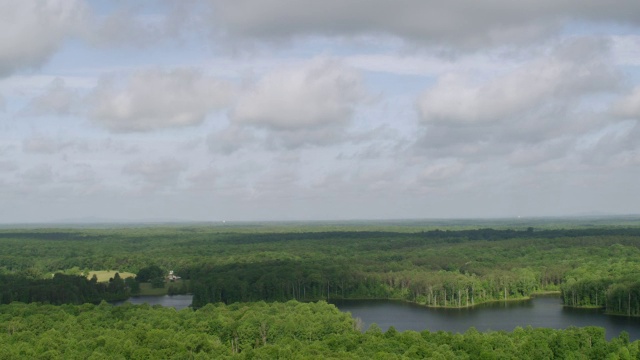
[541, 311]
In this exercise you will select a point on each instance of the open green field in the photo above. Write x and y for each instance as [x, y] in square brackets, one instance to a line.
[105, 275]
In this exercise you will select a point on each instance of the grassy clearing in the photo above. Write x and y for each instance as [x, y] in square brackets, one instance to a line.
[105, 275]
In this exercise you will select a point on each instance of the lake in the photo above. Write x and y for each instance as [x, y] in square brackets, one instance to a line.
[542, 311]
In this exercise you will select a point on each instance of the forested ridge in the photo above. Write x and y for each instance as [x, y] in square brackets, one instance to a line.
[293, 267]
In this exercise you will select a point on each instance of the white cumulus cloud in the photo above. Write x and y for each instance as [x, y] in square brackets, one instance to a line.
[156, 173]
[57, 99]
[154, 99]
[629, 105]
[32, 31]
[319, 93]
[573, 70]
[461, 24]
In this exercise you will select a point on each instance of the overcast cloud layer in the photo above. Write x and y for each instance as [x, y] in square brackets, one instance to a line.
[296, 110]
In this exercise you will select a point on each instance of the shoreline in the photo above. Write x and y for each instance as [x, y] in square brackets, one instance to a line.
[331, 301]
[525, 298]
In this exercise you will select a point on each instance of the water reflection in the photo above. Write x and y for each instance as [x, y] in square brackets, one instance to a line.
[178, 302]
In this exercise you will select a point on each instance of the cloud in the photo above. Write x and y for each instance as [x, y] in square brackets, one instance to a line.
[34, 30]
[8, 166]
[548, 115]
[457, 23]
[629, 105]
[626, 49]
[442, 170]
[230, 140]
[308, 103]
[82, 174]
[155, 99]
[525, 155]
[38, 175]
[574, 69]
[57, 99]
[615, 143]
[205, 180]
[42, 145]
[139, 24]
[156, 174]
[315, 94]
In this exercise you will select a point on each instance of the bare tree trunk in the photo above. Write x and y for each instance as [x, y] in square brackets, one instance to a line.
[235, 348]
[264, 331]
[472, 303]
[467, 297]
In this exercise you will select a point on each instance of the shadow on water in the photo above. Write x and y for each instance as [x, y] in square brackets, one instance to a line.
[543, 311]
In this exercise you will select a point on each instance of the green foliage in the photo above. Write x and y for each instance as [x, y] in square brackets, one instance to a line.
[157, 283]
[132, 285]
[268, 331]
[438, 263]
[150, 273]
[61, 289]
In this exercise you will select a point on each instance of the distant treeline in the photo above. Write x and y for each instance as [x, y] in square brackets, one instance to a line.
[451, 235]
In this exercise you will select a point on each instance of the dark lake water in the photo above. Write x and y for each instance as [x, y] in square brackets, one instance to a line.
[543, 311]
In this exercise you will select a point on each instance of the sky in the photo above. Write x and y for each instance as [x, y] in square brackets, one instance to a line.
[251, 110]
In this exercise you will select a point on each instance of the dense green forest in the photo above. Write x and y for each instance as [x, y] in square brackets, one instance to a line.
[63, 289]
[593, 266]
[290, 330]
[292, 267]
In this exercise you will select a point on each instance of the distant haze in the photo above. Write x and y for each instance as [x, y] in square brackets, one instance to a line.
[211, 110]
